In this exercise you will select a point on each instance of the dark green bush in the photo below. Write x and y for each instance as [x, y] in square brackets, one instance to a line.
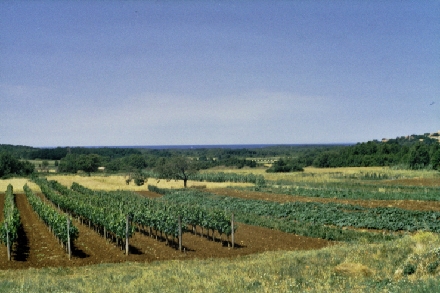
[432, 267]
[409, 269]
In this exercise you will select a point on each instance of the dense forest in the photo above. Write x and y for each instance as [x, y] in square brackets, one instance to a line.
[410, 152]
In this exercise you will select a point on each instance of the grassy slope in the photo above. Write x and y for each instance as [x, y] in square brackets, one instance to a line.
[346, 268]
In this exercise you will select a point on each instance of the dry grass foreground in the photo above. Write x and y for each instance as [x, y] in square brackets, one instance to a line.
[379, 267]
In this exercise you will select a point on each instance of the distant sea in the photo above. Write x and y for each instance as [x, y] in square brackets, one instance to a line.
[215, 146]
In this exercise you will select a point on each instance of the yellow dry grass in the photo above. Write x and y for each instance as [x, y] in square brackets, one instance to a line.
[318, 175]
[17, 184]
[117, 182]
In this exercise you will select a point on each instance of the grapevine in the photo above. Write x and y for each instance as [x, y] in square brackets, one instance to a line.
[53, 219]
[11, 218]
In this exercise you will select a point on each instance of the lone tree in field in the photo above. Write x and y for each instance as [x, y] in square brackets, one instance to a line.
[45, 166]
[178, 168]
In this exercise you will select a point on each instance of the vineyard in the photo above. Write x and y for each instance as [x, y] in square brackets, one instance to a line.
[38, 247]
[114, 226]
[118, 213]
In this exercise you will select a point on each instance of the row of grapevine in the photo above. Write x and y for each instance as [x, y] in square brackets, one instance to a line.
[56, 222]
[161, 215]
[107, 212]
[109, 222]
[11, 222]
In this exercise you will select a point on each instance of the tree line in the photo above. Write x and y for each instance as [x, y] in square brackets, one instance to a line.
[410, 153]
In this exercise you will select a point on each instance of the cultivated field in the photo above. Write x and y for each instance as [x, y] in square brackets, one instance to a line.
[341, 174]
[382, 256]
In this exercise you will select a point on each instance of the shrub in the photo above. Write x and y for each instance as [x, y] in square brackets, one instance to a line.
[139, 181]
[432, 267]
[409, 269]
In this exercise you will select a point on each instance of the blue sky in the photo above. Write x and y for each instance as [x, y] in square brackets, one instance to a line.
[82, 73]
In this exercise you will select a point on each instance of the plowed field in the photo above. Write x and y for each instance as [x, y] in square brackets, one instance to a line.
[37, 247]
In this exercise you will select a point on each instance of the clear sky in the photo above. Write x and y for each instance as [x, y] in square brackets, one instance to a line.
[83, 73]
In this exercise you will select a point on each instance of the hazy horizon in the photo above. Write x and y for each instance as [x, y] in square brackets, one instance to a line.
[85, 73]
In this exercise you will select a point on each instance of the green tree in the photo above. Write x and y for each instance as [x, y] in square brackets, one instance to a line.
[136, 162]
[88, 163]
[68, 164]
[45, 165]
[11, 166]
[139, 178]
[435, 160]
[73, 162]
[286, 165]
[418, 156]
[178, 168]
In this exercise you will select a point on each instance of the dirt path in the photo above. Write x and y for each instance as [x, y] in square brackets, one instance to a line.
[37, 247]
[403, 204]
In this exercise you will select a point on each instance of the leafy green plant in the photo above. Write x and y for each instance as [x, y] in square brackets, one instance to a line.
[11, 218]
[52, 218]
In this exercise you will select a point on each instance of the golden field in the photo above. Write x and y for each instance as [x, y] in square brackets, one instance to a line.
[117, 182]
[322, 175]
[18, 184]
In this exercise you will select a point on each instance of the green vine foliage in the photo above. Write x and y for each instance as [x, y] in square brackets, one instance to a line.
[11, 218]
[52, 218]
[157, 214]
[98, 211]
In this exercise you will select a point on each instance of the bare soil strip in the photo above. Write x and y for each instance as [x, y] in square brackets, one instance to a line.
[37, 247]
[414, 181]
[418, 205]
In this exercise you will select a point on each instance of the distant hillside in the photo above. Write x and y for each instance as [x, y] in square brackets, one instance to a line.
[412, 151]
